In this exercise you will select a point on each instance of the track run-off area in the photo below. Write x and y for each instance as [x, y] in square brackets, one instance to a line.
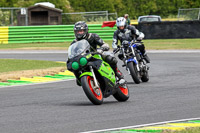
[172, 93]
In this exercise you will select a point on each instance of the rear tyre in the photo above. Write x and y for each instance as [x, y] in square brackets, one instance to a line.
[133, 71]
[122, 94]
[145, 77]
[94, 95]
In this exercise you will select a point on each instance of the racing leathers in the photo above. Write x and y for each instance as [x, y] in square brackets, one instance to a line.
[94, 41]
[129, 33]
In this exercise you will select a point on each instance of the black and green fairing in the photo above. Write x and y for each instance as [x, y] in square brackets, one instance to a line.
[80, 58]
[103, 68]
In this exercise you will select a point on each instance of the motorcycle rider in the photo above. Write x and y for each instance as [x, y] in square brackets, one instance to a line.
[81, 32]
[126, 33]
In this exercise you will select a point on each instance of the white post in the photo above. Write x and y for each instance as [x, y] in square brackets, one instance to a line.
[26, 17]
[199, 15]
[12, 17]
[178, 13]
[107, 15]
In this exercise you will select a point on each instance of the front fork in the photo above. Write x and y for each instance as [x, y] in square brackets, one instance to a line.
[124, 60]
[96, 86]
[137, 63]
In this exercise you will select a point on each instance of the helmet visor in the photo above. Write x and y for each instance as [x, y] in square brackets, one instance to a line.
[80, 33]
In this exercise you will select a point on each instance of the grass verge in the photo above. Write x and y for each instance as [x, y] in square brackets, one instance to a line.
[14, 69]
[161, 44]
[35, 46]
[7, 65]
[188, 130]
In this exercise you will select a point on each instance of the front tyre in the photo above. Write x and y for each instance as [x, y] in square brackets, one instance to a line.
[94, 95]
[133, 71]
[122, 93]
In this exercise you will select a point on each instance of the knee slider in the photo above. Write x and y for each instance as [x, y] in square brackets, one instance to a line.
[114, 60]
[120, 56]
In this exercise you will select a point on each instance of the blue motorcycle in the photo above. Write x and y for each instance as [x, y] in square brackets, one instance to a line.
[134, 61]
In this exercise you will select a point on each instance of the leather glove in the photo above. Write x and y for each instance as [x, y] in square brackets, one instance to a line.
[139, 39]
[99, 50]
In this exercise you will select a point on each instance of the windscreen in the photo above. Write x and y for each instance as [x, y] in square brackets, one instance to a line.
[77, 48]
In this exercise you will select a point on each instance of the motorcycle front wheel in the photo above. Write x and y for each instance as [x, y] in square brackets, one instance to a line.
[94, 95]
[133, 70]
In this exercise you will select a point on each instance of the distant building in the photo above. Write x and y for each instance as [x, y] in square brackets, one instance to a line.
[41, 14]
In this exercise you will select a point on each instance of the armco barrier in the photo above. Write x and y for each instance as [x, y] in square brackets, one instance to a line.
[48, 33]
[3, 35]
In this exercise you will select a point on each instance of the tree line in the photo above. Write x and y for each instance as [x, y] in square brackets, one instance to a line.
[134, 8]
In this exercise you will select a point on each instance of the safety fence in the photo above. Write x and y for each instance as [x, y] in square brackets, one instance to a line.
[48, 33]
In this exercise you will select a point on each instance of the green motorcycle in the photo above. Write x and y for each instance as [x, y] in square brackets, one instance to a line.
[96, 77]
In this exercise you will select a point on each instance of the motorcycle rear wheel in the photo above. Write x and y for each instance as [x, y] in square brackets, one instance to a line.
[133, 71]
[95, 96]
[122, 94]
[145, 77]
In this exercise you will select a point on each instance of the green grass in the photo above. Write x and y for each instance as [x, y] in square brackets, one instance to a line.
[157, 44]
[172, 44]
[35, 45]
[189, 130]
[7, 65]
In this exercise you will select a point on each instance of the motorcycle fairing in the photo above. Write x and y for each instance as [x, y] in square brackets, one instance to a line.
[103, 68]
[134, 46]
[131, 60]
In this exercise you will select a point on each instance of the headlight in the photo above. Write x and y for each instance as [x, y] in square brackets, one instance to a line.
[83, 61]
[75, 65]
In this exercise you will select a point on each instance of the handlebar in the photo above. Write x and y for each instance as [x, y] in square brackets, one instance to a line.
[93, 53]
[98, 51]
[118, 49]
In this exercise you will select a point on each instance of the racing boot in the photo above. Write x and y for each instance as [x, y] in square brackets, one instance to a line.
[120, 76]
[146, 58]
[141, 47]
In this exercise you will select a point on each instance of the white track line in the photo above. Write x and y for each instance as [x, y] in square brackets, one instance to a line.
[143, 125]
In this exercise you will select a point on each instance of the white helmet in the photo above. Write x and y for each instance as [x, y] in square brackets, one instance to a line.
[121, 21]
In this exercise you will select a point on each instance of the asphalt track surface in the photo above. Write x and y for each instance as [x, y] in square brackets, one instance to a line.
[172, 93]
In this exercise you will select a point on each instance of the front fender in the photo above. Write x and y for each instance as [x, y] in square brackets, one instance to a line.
[86, 73]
